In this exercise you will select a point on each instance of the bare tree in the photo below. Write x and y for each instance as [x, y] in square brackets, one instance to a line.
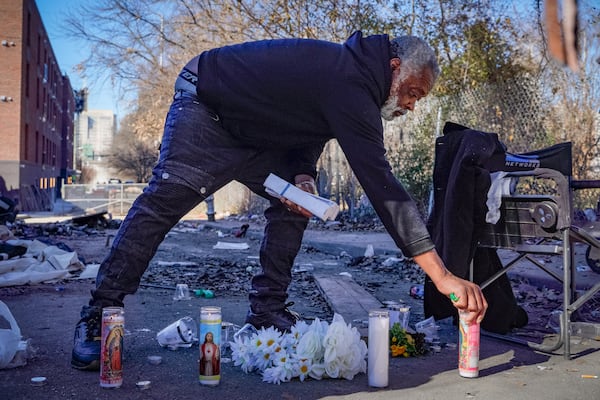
[573, 98]
[133, 154]
[142, 44]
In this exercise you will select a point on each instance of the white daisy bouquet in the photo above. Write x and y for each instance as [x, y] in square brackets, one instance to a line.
[319, 350]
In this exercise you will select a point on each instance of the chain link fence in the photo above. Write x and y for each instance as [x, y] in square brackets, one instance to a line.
[516, 110]
[116, 199]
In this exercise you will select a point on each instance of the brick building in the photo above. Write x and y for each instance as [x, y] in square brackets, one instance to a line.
[37, 109]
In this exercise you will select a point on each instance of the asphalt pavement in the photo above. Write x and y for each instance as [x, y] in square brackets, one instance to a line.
[47, 314]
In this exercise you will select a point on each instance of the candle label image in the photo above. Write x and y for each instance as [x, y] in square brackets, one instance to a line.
[210, 346]
[468, 349]
[111, 347]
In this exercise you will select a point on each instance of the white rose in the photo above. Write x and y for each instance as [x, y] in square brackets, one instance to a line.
[310, 346]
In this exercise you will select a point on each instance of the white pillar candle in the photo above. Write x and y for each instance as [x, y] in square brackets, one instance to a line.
[379, 339]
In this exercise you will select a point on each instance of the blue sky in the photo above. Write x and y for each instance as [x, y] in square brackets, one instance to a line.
[70, 51]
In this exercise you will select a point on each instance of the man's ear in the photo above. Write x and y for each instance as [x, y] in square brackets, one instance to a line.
[395, 63]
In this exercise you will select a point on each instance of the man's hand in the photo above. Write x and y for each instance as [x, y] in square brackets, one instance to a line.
[306, 183]
[465, 295]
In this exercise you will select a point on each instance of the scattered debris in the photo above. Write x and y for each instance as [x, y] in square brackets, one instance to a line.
[229, 272]
[417, 292]
[38, 381]
[93, 220]
[231, 246]
[40, 263]
[154, 360]
[240, 233]
[143, 385]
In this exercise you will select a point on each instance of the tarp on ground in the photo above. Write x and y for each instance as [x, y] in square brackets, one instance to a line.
[40, 263]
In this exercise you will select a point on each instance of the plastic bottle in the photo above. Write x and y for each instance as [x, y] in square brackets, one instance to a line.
[468, 346]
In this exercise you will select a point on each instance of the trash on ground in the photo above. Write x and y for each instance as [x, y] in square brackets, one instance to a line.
[417, 292]
[40, 263]
[38, 381]
[231, 246]
[14, 352]
[9, 338]
[245, 331]
[388, 262]
[589, 330]
[181, 333]
[177, 263]
[154, 360]
[90, 271]
[369, 251]
[182, 292]
[206, 293]
[429, 328]
[142, 385]
[240, 233]
[303, 268]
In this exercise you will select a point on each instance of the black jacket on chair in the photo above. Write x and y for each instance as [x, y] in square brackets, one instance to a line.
[461, 183]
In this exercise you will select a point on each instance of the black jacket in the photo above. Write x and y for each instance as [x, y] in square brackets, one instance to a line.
[296, 94]
[461, 181]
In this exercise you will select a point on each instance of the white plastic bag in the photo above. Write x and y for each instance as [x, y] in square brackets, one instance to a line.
[9, 338]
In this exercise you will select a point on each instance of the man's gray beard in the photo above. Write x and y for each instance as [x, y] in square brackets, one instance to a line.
[389, 108]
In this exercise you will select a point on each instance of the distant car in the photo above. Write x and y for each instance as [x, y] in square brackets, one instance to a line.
[114, 180]
[129, 181]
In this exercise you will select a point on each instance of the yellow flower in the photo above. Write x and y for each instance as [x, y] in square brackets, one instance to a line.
[394, 339]
[398, 350]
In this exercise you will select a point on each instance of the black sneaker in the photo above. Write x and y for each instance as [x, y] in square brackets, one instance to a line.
[282, 319]
[86, 342]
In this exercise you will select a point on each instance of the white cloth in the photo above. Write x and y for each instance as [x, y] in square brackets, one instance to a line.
[500, 187]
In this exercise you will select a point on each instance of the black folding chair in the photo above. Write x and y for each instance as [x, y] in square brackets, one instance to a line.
[540, 222]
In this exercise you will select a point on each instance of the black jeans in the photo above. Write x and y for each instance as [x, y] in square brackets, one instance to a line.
[198, 157]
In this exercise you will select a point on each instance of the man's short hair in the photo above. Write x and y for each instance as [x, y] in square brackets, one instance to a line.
[415, 54]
